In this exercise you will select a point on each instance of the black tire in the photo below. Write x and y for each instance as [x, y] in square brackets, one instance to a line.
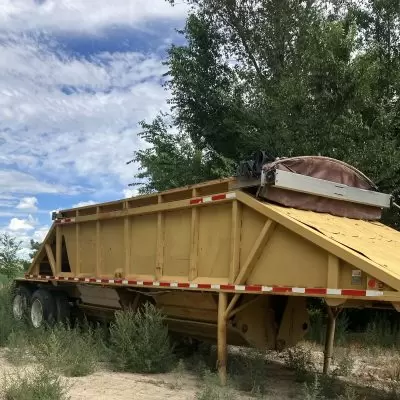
[63, 309]
[42, 309]
[21, 302]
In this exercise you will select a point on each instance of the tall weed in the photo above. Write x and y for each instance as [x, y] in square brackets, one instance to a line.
[299, 359]
[7, 323]
[383, 333]
[342, 329]
[40, 384]
[248, 371]
[317, 330]
[18, 347]
[312, 390]
[211, 390]
[69, 351]
[318, 323]
[139, 341]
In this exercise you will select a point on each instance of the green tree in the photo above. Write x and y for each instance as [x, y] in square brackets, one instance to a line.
[10, 262]
[173, 160]
[34, 248]
[289, 77]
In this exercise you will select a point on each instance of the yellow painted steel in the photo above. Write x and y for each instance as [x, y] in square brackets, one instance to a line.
[235, 240]
[310, 242]
[373, 240]
[240, 240]
[376, 241]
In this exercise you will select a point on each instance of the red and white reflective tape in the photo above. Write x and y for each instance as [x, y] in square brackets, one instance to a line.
[215, 197]
[64, 221]
[218, 287]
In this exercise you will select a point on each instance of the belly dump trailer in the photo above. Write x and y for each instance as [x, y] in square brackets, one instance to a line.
[230, 260]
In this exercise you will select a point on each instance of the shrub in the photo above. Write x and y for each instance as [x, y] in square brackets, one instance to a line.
[344, 364]
[393, 391]
[299, 359]
[349, 393]
[248, 371]
[41, 384]
[7, 324]
[139, 341]
[342, 327]
[382, 332]
[322, 387]
[316, 332]
[210, 389]
[312, 390]
[205, 358]
[18, 347]
[69, 351]
[330, 386]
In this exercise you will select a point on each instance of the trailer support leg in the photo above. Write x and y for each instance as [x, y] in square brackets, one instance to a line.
[222, 345]
[330, 337]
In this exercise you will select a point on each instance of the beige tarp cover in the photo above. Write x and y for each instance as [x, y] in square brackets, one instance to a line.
[327, 169]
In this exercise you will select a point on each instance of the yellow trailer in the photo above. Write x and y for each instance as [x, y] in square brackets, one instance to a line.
[221, 262]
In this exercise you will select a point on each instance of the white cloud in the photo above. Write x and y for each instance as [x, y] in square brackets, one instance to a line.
[130, 192]
[83, 204]
[79, 16]
[22, 225]
[69, 123]
[25, 235]
[28, 203]
[20, 182]
[87, 135]
[7, 201]
[40, 234]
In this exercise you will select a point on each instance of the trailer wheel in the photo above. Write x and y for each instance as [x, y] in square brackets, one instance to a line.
[21, 302]
[63, 309]
[42, 308]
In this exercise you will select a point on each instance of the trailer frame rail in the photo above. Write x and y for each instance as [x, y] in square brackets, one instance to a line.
[231, 288]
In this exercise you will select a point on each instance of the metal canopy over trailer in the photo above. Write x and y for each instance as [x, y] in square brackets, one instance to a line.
[220, 262]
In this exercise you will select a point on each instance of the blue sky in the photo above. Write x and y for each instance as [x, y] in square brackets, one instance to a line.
[76, 77]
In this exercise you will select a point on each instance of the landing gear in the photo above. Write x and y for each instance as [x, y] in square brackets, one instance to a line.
[333, 312]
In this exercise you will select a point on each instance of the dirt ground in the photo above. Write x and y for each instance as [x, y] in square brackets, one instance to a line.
[368, 371]
[105, 385]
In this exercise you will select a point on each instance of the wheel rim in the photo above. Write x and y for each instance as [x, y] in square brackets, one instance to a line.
[37, 313]
[19, 307]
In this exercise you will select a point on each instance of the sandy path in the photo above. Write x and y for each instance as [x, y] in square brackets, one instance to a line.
[105, 385]
[118, 386]
[369, 371]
